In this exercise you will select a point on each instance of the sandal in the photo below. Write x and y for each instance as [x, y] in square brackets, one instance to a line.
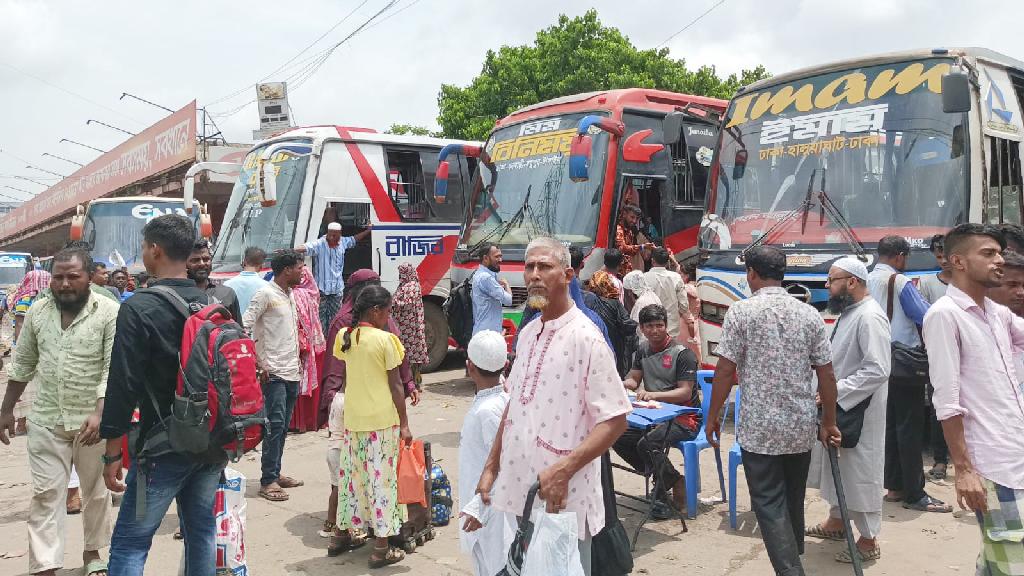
[74, 505]
[938, 472]
[391, 556]
[891, 498]
[273, 494]
[95, 568]
[341, 544]
[928, 504]
[289, 482]
[819, 531]
[327, 531]
[865, 556]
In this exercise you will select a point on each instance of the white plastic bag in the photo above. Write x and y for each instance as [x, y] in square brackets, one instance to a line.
[229, 510]
[555, 548]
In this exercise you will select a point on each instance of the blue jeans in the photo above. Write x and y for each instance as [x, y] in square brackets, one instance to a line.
[279, 398]
[168, 477]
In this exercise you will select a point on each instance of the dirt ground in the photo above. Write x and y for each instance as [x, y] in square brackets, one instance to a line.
[281, 538]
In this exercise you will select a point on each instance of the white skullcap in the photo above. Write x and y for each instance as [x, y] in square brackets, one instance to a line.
[488, 350]
[334, 226]
[853, 266]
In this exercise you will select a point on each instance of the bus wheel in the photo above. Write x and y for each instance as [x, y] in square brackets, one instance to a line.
[436, 332]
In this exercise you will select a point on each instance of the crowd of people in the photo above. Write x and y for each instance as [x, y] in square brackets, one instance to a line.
[346, 353]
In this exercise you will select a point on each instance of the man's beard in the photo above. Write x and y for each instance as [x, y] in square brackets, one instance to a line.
[494, 267]
[199, 274]
[537, 301]
[839, 304]
[74, 304]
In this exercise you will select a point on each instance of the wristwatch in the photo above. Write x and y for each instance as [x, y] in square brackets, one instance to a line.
[111, 459]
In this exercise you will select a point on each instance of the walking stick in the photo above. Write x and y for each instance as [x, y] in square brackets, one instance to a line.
[833, 458]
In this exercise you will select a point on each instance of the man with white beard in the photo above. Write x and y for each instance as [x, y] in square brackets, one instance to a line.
[862, 361]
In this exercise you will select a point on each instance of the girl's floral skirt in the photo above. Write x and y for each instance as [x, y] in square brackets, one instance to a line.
[368, 482]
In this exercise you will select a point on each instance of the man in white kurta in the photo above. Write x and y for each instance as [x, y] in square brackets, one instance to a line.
[861, 357]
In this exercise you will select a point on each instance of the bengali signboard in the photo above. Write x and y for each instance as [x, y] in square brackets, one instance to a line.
[164, 145]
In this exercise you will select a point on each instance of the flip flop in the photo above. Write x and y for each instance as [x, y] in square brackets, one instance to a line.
[391, 556]
[929, 504]
[95, 567]
[289, 482]
[818, 531]
[274, 495]
[889, 498]
[937, 473]
[844, 555]
[74, 506]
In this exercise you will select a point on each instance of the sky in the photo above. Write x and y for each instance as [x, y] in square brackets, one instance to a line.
[63, 63]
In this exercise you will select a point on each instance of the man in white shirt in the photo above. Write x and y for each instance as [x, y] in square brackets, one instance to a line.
[671, 290]
[487, 353]
[273, 323]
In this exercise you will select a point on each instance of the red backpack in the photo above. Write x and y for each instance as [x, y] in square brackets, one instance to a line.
[219, 400]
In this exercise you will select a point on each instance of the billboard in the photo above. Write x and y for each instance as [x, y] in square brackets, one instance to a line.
[164, 145]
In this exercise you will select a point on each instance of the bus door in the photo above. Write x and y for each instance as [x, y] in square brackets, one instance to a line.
[354, 216]
[683, 204]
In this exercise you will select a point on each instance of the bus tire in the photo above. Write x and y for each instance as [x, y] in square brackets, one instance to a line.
[435, 330]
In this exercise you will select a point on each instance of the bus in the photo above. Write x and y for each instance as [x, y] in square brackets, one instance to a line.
[113, 226]
[294, 184]
[13, 267]
[824, 162]
[565, 167]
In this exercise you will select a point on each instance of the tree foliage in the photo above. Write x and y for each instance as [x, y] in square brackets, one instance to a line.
[573, 56]
[411, 130]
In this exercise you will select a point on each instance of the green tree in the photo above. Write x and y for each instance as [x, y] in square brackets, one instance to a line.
[575, 55]
[410, 129]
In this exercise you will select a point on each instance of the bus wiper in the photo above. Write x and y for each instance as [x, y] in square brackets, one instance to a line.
[803, 208]
[827, 205]
[506, 227]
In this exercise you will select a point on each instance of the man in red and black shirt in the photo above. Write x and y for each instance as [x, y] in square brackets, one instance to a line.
[626, 238]
[668, 371]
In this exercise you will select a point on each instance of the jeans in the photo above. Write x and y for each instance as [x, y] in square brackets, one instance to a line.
[777, 485]
[279, 398]
[644, 450]
[904, 439]
[168, 477]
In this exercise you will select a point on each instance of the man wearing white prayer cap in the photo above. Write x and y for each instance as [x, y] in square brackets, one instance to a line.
[328, 252]
[487, 546]
[861, 358]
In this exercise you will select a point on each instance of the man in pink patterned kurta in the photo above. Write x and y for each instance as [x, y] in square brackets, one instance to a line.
[567, 405]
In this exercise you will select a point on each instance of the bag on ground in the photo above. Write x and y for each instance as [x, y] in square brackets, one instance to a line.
[440, 496]
[229, 511]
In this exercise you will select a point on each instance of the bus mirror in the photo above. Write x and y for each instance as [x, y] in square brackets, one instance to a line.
[739, 166]
[205, 226]
[190, 188]
[672, 127]
[77, 226]
[579, 158]
[268, 185]
[956, 93]
[441, 183]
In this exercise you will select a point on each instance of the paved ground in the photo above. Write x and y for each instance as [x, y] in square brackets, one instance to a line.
[281, 537]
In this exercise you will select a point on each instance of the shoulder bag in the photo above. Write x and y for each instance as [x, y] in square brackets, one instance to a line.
[850, 422]
[909, 363]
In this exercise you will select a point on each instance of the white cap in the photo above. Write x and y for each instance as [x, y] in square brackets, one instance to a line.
[488, 350]
[334, 226]
[854, 266]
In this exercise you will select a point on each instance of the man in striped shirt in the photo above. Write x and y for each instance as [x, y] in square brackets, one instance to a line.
[329, 251]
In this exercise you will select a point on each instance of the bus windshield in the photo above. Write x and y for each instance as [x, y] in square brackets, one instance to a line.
[873, 142]
[522, 188]
[114, 229]
[247, 222]
[13, 268]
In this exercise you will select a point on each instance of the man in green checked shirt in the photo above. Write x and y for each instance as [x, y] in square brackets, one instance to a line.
[65, 345]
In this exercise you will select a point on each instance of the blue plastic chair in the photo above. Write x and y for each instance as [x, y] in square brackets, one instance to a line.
[735, 460]
[692, 449]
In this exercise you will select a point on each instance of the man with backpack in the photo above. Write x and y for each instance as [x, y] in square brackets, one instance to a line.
[144, 372]
[272, 320]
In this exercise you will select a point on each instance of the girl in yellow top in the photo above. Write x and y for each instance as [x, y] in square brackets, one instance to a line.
[375, 425]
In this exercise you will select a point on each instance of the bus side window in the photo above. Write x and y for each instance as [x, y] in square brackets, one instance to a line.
[460, 174]
[406, 185]
[1004, 182]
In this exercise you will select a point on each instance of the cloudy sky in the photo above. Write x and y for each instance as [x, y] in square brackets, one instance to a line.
[64, 62]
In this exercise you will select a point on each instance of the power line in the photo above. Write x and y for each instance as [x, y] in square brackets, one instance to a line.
[396, 13]
[69, 92]
[692, 22]
[293, 58]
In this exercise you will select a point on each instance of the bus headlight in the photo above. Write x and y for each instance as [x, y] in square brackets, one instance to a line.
[711, 312]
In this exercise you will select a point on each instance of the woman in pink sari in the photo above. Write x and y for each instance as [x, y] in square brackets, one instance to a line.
[312, 345]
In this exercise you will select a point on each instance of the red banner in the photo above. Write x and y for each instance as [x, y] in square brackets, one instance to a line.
[164, 145]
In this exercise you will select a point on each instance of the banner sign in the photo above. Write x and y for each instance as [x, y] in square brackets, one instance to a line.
[164, 145]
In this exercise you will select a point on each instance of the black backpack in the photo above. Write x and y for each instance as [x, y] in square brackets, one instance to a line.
[459, 310]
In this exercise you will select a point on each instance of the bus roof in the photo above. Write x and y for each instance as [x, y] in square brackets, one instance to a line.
[984, 54]
[117, 199]
[353, 134]
[611, 100]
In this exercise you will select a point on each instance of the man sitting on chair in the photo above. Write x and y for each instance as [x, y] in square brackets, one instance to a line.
[668, 371]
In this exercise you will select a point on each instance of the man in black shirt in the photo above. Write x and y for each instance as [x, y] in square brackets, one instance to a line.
[668, 371]
[143, 374]
[199, 265]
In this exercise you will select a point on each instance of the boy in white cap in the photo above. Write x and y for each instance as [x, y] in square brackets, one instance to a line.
[485, 531]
